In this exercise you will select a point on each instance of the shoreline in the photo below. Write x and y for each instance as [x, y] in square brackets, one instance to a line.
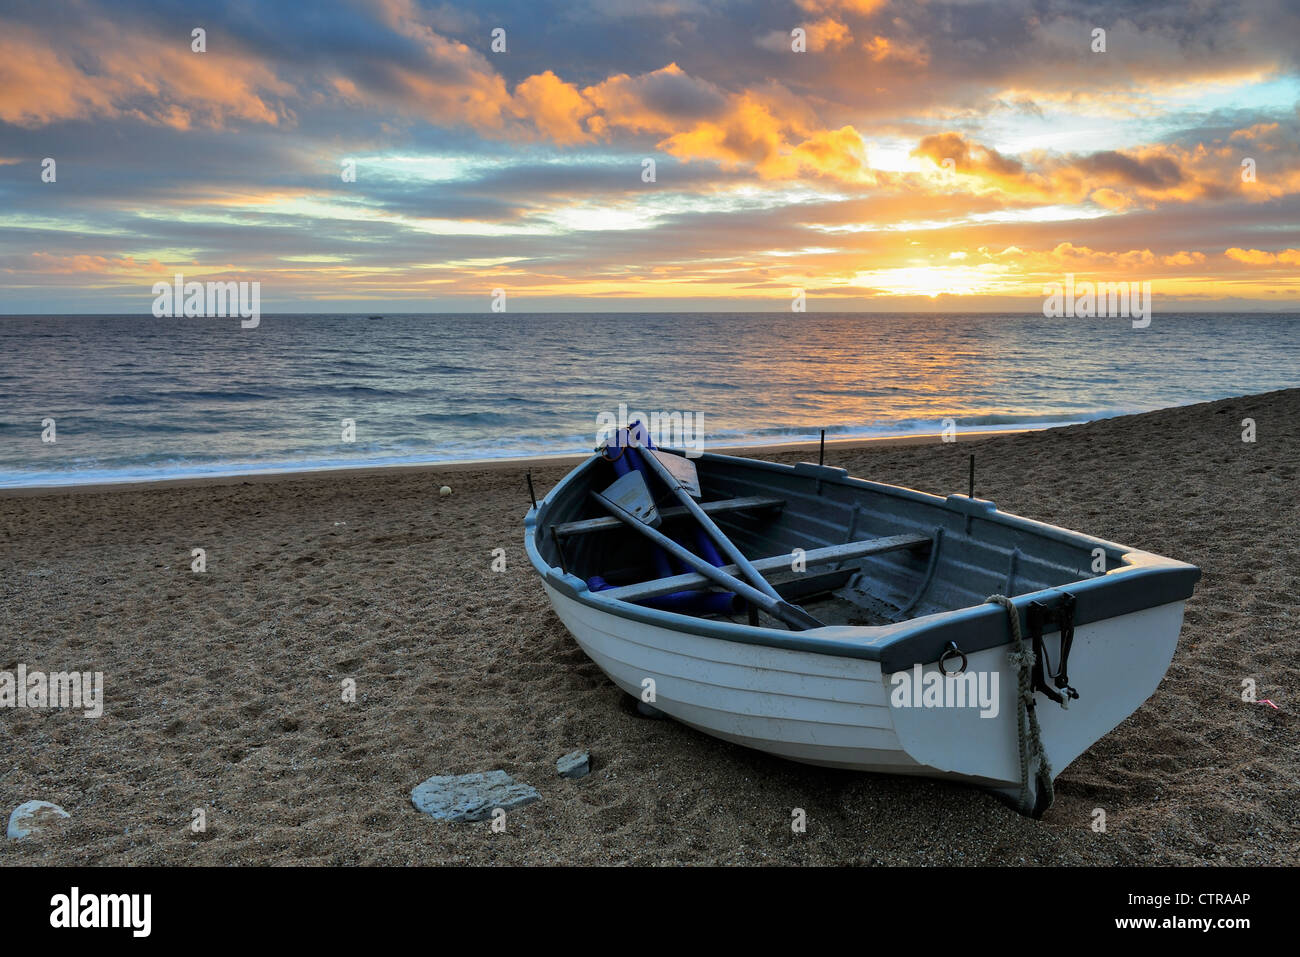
[479, 465]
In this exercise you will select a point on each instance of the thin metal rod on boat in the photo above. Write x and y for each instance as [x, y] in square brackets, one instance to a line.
[559, 550]
[821, 453]
[972, 476]
[777, 607]
[531, 494]
[719, 537]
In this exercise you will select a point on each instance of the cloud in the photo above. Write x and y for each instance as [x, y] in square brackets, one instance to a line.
[1114, 179]
[1259, 131]
[753, 132]
[1260, 257]
[1071, 256]
[981, 166]
[1184, 258]
[63, 265]
[557, 109]
[767, 130]
[1154, 172]
[658, 102]
[862, 8]
[884, 50]
[967, 156]
[839, 154]
[100, 70]
[819, 36]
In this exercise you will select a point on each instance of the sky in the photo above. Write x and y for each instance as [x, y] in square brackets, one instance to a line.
[647, 155]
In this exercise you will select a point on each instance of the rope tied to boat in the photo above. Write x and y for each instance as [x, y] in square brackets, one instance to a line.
[1028, 733]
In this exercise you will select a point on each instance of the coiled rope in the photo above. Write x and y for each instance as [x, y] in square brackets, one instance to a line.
[1030, 738]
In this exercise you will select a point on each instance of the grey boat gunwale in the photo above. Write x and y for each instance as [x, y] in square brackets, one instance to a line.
[1138, 580]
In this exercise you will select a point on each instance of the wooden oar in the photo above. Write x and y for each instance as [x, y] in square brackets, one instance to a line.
[777, 607]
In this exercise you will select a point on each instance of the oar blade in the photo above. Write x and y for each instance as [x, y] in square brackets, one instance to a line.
[632, 495]
[681, 469]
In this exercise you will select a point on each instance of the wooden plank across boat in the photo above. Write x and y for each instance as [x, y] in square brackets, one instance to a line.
[893, 659]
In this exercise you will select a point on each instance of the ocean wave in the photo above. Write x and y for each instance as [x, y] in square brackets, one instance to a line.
[468, 418]
[214, 396]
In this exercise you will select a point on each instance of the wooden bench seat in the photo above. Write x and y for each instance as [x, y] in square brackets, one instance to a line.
[589, 525]
[817, 556]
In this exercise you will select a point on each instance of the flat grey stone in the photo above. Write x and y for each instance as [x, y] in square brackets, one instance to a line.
[34, 817]
[470, 797]
[575, 764]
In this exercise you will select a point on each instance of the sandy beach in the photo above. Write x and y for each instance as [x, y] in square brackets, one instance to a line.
[222, 689]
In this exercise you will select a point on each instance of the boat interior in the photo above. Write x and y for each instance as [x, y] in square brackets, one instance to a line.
[846, 551]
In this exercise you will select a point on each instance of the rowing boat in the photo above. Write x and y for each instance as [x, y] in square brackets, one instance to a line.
[846, 623]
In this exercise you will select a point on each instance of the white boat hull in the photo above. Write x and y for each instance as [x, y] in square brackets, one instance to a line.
[841, 712]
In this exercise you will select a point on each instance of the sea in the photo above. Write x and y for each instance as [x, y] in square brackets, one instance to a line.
[95, 399]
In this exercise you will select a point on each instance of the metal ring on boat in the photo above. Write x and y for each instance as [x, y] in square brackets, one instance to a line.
[952, 650]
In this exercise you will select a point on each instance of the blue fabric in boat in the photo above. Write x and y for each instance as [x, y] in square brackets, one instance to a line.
[688, 602]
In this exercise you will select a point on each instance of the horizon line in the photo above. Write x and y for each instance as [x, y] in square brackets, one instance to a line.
[696, 312]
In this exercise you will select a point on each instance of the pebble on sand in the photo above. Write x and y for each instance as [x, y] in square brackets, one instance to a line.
[470, 797]
[575, 764]
[33, 818]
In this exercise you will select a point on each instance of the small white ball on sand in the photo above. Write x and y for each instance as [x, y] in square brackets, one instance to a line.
[445, 490]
